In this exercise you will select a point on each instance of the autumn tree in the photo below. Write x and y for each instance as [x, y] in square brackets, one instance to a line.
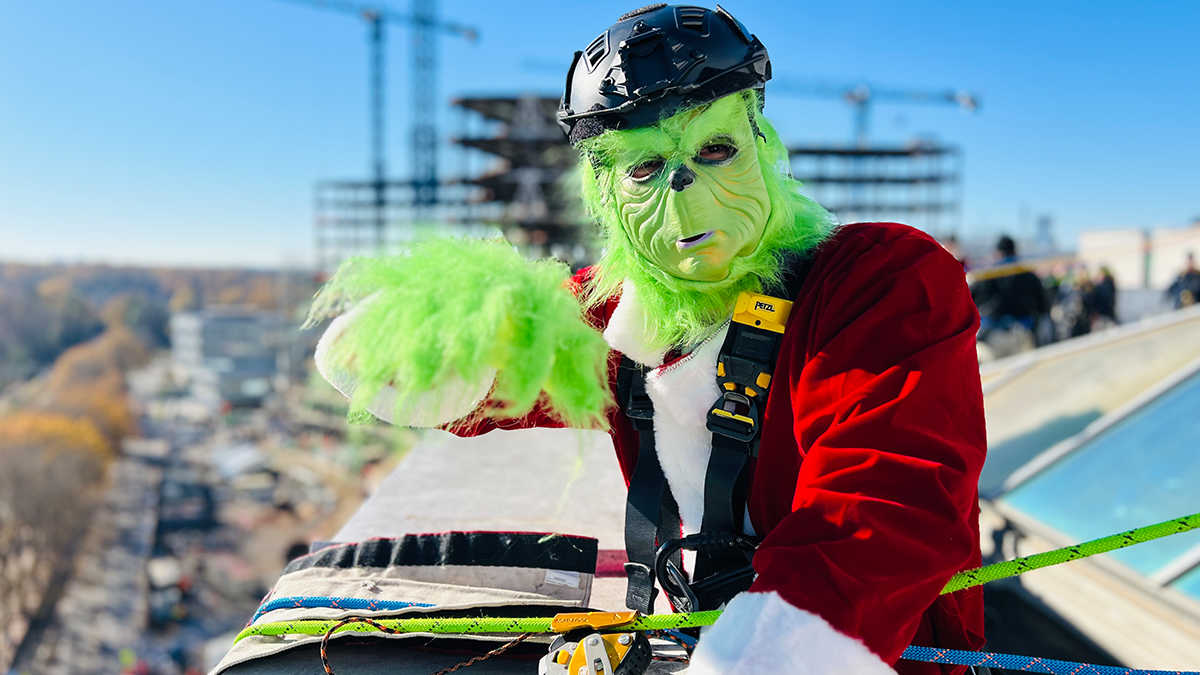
[185, 298]
[88, 382]
[51, 466]
[37, 324]
[145, 316]
[70, 320]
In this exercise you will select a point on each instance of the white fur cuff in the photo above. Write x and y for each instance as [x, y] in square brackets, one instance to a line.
[449, 401]
[761, 634]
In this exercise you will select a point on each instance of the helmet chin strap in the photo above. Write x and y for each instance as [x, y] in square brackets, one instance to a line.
[754, 126]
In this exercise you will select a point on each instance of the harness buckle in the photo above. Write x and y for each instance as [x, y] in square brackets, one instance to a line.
[639, 593]
[735, 372]
[638, 405]
[734, 416]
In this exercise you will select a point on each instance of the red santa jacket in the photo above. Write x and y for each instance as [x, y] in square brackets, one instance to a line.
[872, 441]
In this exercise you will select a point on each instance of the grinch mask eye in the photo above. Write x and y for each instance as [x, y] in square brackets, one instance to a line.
[646, 169]
[715, 153]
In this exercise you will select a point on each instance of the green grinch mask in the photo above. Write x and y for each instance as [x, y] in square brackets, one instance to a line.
[691, 196]
[695, 209]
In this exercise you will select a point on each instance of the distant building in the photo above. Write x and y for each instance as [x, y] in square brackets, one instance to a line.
[1144, 262]
[1148, 258]
[229, 355]
[518, 175]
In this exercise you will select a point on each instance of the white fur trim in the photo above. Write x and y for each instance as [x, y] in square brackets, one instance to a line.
[449, 401]
[626, 330]
[682, 393]
[761, 634]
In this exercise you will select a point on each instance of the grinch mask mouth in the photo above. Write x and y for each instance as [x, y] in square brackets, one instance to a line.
[690, 191]
[694, 241]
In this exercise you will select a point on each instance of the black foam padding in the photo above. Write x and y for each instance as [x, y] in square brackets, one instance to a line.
[480, 549]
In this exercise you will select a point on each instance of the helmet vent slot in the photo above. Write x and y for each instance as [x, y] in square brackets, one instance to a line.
[596, 51]
[692, 18]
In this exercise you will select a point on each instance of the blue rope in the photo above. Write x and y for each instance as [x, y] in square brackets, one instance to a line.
[311, 601]
[1028, 664]
[684, 638]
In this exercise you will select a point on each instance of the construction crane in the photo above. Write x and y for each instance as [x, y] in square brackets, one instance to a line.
[862, 95]
[425, 27]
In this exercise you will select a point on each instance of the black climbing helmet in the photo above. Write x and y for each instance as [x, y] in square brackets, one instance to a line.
[655, 61]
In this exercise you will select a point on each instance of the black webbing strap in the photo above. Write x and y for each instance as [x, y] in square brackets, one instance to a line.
[651, 515]
[795, 271]
[747, 352]
[650, 511]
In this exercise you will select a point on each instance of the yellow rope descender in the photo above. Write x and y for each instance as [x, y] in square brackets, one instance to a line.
[581, 650]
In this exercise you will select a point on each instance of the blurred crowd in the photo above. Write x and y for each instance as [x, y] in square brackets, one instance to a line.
[1186, 288]
[1023, 306]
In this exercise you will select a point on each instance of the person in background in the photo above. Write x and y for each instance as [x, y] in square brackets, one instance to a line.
[1104, 300]
[1185, 290]
[1084, 298]
[1057, 287]
[1011, 301]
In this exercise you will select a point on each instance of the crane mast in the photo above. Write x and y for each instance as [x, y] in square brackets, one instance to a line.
[424, 125]
[425, 26]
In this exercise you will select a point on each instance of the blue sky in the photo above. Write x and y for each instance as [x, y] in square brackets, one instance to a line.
[191, 131]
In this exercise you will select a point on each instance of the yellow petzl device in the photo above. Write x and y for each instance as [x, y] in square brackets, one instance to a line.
[762, 311]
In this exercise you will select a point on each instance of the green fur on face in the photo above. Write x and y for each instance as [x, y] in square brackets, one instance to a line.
[459, 309]
[749, 202]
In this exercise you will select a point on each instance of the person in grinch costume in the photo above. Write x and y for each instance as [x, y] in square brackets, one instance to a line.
[794, 402]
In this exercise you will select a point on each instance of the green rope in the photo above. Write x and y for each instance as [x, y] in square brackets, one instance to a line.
[1011, 568]
[464, 626]
[961, 580]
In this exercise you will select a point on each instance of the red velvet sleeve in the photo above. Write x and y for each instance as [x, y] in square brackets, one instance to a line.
[888, 420]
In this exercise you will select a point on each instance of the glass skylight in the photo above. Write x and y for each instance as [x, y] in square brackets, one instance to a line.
[1143, 469]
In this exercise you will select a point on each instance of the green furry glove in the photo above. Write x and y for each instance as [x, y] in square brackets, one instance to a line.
[430, 329]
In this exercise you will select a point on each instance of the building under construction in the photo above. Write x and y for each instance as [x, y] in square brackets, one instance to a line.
[523, 187]
[528, 190]
[919, 184]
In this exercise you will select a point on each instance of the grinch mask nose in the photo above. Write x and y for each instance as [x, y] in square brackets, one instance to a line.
[682, 177]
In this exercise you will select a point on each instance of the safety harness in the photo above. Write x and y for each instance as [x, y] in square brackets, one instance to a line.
[652, 524]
